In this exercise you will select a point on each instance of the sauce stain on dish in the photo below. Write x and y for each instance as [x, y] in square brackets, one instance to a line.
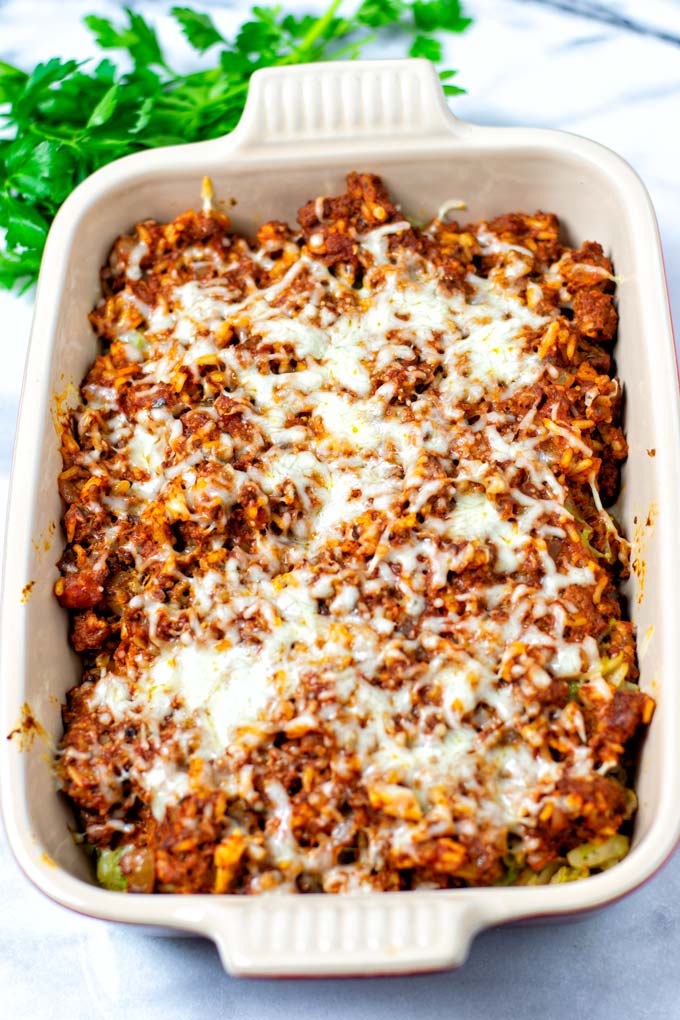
[43, 542]
[27, 729]
[61, 406]
[641, 535]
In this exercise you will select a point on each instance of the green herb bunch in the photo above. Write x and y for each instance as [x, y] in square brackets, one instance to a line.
[67, 118]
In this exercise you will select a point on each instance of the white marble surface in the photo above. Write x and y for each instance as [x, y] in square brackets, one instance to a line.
[530, 62]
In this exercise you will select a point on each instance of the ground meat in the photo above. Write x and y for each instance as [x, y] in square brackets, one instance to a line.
[185, 844]
[89, 631]
[594, 314]
[613, 724]
[83, 589]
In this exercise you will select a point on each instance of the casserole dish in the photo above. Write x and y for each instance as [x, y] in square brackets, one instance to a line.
[302, 129]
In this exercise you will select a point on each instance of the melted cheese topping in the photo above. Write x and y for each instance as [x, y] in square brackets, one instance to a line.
[351, 429]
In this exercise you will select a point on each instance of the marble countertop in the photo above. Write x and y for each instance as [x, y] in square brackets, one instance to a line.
[609, 70]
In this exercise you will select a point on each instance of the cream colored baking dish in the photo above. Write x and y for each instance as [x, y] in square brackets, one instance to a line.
[302, 129]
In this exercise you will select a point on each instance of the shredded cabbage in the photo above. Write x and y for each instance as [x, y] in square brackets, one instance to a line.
[595, 855]
[567, 874]
[579, 863]
[108, 869]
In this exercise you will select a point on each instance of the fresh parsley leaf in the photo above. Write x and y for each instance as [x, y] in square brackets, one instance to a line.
[47, 74]
[19, 269]
[11, 82]
[434, 15]
[105, 33]
[145, 49]
[450, 90]
[26, 228]
[297, 28]
[105, 108]
[65, 119]
[45, 173]
[105, 71]
[38, 86]
[378, 13]
[426, 46]
[138, 38]
[198, 28]
[142, 116]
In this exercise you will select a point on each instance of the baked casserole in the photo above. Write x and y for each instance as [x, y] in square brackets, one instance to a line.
[339, 563]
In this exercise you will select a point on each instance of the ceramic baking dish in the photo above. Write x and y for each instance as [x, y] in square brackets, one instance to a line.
[302, 129]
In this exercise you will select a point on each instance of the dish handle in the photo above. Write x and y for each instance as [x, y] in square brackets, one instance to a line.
[347, 935]
[325, 105]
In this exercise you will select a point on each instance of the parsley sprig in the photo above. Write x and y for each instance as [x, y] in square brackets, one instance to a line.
[67, 118]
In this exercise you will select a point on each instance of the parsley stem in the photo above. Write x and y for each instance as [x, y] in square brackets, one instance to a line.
[353, 49]
[316, 30]
[40, 132]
